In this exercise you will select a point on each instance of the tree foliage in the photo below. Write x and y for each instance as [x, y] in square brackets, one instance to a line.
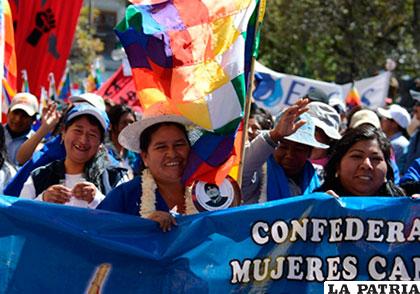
[340, 40]
[85, 46]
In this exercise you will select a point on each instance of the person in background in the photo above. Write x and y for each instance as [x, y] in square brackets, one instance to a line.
[259, 119]
[286, 148]
[340, 107]
[49, 120]
[394, 122]
[120, 116]
[410, 181]
[327, 124]
[7, 171]
[83, 178]
[360, 165]
[413, 149]
[20, 118]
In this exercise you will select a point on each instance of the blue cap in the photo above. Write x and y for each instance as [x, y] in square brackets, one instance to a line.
[85, 108]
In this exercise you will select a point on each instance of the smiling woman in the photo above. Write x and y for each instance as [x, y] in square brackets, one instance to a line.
[84, 176]
[360, 165]
[163, 143]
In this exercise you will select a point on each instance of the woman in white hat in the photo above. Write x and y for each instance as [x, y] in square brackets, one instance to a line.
[285, 150]
[163, 143]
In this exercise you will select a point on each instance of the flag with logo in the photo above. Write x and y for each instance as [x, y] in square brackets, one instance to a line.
[44, 33]
[120, 89]
[194, 56]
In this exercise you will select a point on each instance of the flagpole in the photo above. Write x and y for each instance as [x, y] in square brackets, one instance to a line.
[247, 108]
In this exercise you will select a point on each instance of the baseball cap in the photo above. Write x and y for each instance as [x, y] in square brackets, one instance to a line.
[365, 116]
[85, 108]
[396, 113]
[90, 98]
[26, 102]
[326, 118]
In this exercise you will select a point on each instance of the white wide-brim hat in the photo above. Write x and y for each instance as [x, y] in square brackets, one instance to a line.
[306, 134]
[129, 137]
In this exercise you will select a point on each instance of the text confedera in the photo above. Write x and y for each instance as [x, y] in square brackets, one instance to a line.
[281, 265]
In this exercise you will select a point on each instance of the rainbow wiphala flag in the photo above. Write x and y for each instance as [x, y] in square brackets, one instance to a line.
[195, 56]
[191, 54]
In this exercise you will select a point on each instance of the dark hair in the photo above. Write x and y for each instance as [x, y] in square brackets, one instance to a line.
[263, 118]
[210, 185]
[2, 146]
[116, 112]
[93, 120]
[363, 132]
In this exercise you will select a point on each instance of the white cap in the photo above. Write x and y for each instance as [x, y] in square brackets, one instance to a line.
[26, 102]
[90, 98]
[397, 113]
[365, 116]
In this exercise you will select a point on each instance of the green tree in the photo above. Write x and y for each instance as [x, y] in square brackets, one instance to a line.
[340, 40]
[85, 46]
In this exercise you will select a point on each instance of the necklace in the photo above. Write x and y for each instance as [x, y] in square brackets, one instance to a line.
[148, 196]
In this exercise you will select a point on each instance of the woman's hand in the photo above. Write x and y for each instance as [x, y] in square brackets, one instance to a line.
[57, 194]
[287, 124]
[84, 191]
[50, 117]
[165, 219]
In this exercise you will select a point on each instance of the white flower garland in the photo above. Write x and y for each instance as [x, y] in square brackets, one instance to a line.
[148, 196]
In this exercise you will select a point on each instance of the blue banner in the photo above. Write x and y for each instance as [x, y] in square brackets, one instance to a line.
[285, 246]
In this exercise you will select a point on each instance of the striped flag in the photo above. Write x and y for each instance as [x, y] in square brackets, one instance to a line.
[194, 56]
[25, 82]
[353, 98]
[64, 88]
[52, 89]
[43, 98]
[9, 67]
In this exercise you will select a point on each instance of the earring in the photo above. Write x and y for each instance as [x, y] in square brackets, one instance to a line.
[336, 175]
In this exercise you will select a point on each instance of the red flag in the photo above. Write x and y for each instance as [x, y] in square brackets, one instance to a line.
[120, 89]
[44, 33]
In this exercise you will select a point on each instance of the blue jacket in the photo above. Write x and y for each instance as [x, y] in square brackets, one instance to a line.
[126, 199]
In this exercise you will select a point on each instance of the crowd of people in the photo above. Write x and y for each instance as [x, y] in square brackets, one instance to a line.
[98, 156]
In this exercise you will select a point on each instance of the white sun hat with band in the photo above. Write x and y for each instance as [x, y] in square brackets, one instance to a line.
[306, 134]
[129, 137]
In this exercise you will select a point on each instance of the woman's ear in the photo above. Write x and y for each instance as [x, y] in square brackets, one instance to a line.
[144, 158]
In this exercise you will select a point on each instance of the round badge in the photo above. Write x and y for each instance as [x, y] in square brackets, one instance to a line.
[210, 197]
